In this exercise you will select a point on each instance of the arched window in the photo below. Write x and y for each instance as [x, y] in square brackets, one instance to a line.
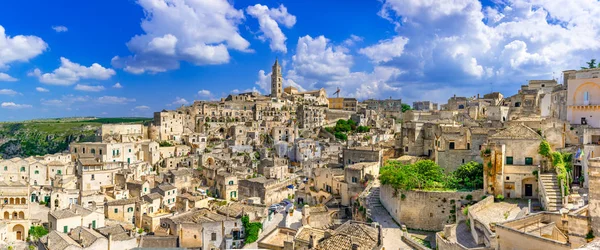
[586, 98]
[230, 182]
[22, 169]
[37, 172]
[517, 104]
[83, 150]
[129, 210]
[93, 151]
[461, 106]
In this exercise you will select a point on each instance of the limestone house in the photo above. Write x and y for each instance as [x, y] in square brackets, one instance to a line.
[511, 157]
[15, 209]
[181, 178]
[319, 216]
[75, 216]
[454, 146]
[118, 237]
[308, 237]
[310, 117]
[168, 193]
[137, 188]
[187, 201]
[279, 238]
[425, 106]
[357, 175]
[269, 191]
[120, 210]
[123, 132]
[80, 238]
[206, 229]
[354, 155]
[226, 186]
[385, 107]
[170, 125]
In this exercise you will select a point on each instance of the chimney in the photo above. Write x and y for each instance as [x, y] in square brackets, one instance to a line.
[312, 241]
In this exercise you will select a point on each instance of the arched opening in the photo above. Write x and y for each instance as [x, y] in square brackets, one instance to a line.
[517, 104]
[21, 215]
[12, 201]
[23, 201]
[56, 203]
[461, 106]
[19, 231]
[18, 201]
[15, 215]
[6, 215]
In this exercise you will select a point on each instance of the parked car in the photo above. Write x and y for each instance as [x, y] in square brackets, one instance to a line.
[276, 208]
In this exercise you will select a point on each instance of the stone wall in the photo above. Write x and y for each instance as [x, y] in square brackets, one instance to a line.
[450, 160]
[423, 209]
[594, 198]
[444, 244]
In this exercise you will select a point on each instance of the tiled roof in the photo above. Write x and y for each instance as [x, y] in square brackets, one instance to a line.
[152, 196]
[305, 232]
[56, 240]
[198, 216]
[84, 236]
[351, 233]
[518, 131]
[72, 211]
[166, 187]
[156, 242]
[117, 232]
[121, 202]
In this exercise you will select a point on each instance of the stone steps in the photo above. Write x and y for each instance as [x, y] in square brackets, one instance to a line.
[553, 193]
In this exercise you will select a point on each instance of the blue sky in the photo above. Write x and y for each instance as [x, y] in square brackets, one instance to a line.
[65, 58]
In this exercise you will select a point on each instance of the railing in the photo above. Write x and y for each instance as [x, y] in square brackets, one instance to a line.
[544, 199]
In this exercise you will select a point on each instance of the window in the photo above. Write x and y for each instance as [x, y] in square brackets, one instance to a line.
[509, 160]
[451, 145]
[93, 177]
[22, 169]
[93, 151]
[116, 210]
[59, 172]
[230, 182]
[145, 189]
[100, 151]
[354, 179]
[468, 145]
[5, 168]
[129, 210]
[66, 229]
[213, 236]
[76, 150]
[37, 172]
[528, 161]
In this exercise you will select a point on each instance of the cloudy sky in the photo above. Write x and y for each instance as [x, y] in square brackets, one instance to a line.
[129, 58]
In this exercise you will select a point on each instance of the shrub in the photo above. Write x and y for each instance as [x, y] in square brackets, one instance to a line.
[165, 144]
[544, 149]
[252, 229]
[402, 196]
[363, 129]
[469, 197]
[36, 232]
[483, 197]
[465, 211]
[499, 197]
[341, 136]
[589, 235]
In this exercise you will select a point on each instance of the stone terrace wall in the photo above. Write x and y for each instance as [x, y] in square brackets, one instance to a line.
[426, 210]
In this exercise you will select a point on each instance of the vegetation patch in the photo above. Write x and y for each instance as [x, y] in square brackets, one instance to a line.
[251, 228]
[427, 175]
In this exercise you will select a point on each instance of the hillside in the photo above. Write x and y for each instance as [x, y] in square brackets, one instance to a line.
[39, 137]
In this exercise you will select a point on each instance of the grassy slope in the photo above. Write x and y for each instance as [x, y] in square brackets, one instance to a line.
[51, 136]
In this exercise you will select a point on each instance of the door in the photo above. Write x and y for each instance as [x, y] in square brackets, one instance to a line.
[19, 235]
[528, 189]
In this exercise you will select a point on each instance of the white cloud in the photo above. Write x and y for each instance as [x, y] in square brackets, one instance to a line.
[352, 40]
[53, 102]
[19, 48]
[8, 92]
[60, 28]
[268, 20]
[6, 78]
[70, 72]
[318, 60]
[114, 100]
[141, 108]
[12, 105]
[264, 81]
[385, 50]
[40, 89]
[199, 32]
[117, 86]
[89, 88]
[180, 101]
[204, 93]
[505, 43]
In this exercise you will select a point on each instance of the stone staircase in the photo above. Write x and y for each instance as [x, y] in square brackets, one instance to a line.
[552, 191]
[373, 201]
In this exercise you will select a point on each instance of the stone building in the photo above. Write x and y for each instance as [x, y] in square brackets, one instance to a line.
[276, 80]
[168, 193]
[386, 107]
[425, 106]
[269, 191]
[340, 103]
[170, 125]
[513, 157]
[226, 186]
[202, 228]
[362, 154]
[120, 210]
[15, 209]
[583, 98]
[123, 132]
[310, 117]
[63, 220]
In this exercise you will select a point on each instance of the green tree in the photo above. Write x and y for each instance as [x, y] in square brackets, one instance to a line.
[36, 232]
[591, 64]
[469, 175]
[405, 107]
[251, 228]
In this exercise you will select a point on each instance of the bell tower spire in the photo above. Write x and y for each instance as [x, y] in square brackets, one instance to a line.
[276, 80]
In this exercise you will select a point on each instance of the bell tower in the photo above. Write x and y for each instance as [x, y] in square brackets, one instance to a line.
[276, 80]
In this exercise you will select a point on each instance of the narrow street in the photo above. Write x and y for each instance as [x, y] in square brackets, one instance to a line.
[391, 230]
